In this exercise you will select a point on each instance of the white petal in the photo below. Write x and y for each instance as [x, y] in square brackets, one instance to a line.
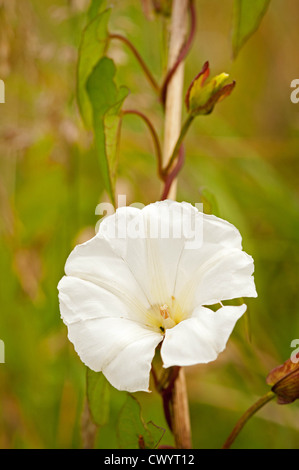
[120, 348]
[82, 300]
[169, 246]
[230, 278]
[212, 274]
[201, 338]
[221, 232]
[126, 234]
[95, 261]
[151, 244]
[130, 368]
[217, 270]
[104, 336]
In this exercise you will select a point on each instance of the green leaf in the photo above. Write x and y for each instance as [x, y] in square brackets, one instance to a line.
[106, 101]
[247, 17]
[95, 7]
[133, 433]
[156, 432]
[209, 201]
[98, 396]
[92, 48]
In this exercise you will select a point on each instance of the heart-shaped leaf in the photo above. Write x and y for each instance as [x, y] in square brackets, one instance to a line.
[98, 396]
[247, 17]
[132, 431]
[92, 48]
[106, 101]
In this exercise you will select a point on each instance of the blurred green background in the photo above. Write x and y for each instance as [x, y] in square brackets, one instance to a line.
[242, 160]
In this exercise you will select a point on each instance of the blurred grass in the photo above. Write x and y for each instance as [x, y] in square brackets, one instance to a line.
[245, 154]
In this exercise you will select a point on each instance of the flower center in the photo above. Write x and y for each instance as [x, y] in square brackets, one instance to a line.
[164, 310]
[165, 316]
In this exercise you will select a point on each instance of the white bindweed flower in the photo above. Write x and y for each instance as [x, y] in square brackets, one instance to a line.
[147, 277]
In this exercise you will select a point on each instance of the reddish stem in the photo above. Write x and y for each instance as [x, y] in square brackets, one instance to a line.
[173, 174]
[155, 378]
[154, 136]
[143, 65]
[246, 416]
[166, 394]
[166, 390]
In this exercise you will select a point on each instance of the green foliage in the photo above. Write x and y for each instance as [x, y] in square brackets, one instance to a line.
[131, 430]
[92, 47]
[98, 396]
[95, 7]
[248, 15]
[106, 100]
[209, 201]
[98, 98]
[133, 433]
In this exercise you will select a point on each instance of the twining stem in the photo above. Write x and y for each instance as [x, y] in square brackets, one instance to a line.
[178, 144]
[167, 397]
[246, 416]
[154, 136]
[171, 176]
[172, 388]
[180, 411]
[183, 52]
[178, 401]
[140, 60]
[175, 87]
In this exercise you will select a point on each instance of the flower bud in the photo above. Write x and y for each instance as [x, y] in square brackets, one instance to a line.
[285, 380]
[203, 94]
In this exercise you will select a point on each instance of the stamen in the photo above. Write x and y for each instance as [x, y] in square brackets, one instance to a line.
[164, 310]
